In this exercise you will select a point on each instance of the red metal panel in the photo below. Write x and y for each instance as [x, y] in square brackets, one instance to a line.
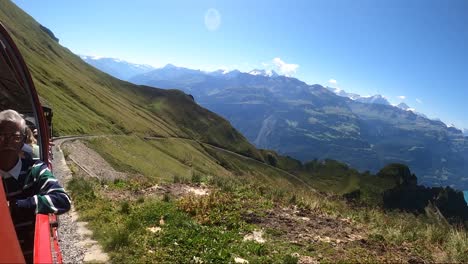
[42, 245]
[10, 251]
[42, 241]
[57, 253]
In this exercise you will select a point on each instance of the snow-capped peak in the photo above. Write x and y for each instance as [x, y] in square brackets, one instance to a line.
[368, 99]
[266, 73]
[116, 60]
[170, 66]
[454, 128]
[87, 57]
[403, 106]
[221, 72]
[374, 99]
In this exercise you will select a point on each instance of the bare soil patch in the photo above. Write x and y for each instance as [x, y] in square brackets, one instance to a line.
[172, 190]
[328, 236]
[177, 190]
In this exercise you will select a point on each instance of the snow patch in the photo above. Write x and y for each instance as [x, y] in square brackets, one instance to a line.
[292, 123]
[266, 73]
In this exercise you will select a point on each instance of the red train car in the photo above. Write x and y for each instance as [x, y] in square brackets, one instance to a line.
[17, 92]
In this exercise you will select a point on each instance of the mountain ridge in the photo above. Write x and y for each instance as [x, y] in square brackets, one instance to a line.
[311, 121]
[374, 99]
[116, 67]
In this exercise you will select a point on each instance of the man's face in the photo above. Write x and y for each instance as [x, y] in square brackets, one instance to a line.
[11, 139]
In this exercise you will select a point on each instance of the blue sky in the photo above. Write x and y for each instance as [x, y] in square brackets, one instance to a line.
[411, 51]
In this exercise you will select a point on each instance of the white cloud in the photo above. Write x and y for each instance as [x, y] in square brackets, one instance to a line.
[402, 97]
[419, 100]
[334, 84]
[285, 68]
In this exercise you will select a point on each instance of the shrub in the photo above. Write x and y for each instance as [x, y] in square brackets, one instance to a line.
[80, 189]
[166, 198]
[177, 179]
[117, 239]
[289, 259]
[457, 245]
[196, 177]
[125, 208]
[66, 153]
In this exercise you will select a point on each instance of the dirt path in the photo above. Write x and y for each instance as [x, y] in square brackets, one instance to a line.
[75, 239]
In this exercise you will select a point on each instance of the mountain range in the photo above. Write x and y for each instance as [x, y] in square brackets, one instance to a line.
[312, 122]
[375, 99]
[118, 68]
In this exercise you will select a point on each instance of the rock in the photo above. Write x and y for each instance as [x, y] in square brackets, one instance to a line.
[256, 236]
[155, 229]
[307, 260]
[240, 260]
[196, 260]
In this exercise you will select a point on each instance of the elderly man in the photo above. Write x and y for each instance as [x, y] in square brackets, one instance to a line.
[28, 183]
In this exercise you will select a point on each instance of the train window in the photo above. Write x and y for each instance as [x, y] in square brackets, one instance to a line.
[15, 94]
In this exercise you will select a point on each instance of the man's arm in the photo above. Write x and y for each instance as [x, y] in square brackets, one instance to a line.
[50, 196]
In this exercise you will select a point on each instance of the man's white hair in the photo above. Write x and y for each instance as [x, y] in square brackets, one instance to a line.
[15, 117]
